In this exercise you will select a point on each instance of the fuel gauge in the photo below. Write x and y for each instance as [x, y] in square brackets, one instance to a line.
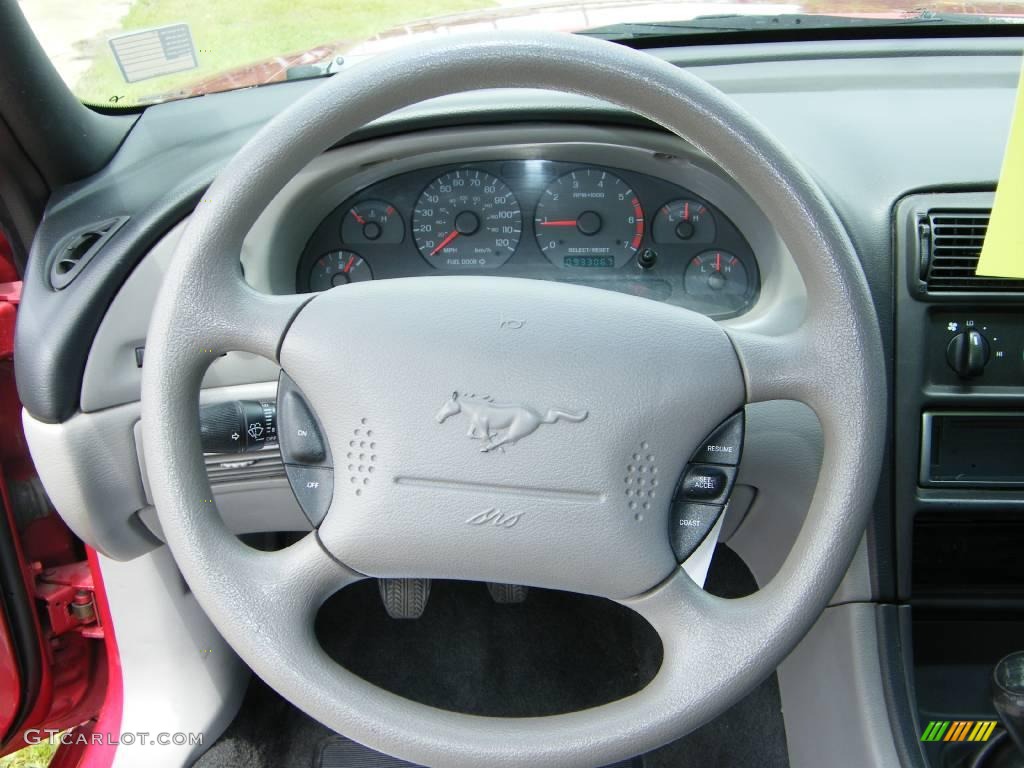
[338, 268]
[683, 221]
[372, 221]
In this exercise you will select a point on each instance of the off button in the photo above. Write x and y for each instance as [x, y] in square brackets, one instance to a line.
[313, 488]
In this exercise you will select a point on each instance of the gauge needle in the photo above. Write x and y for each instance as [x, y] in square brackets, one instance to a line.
[559, 223]
[348, 266]
[357, 217]
[718, 262]
[451, 236]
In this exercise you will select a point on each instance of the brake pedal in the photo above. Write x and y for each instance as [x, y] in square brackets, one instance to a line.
[507, 593]
[404, 598]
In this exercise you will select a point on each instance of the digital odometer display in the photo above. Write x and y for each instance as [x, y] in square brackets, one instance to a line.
[467, 219]
[602, 262]
[589, 214]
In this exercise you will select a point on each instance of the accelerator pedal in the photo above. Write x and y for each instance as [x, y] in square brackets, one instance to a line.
[339, 752]
[404, 598]
[507, 594]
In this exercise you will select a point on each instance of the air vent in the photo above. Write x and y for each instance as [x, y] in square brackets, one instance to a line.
[951, 246]
[78, 249]
[224, 468]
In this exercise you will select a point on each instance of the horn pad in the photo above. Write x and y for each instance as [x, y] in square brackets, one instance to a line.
[506, 430]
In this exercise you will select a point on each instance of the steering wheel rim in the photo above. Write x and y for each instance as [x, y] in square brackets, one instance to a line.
[714, 650]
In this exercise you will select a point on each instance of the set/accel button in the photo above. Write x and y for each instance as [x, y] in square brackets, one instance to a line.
[707, 483]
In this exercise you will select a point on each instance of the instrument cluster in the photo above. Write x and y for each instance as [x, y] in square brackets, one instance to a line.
[605, 227]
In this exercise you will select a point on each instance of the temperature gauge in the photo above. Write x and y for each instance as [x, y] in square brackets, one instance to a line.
[338, 268]
[372, 221]
[683, 221]
[717, 276]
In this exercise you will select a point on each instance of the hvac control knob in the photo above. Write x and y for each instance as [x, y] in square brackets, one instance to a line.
[967, 354]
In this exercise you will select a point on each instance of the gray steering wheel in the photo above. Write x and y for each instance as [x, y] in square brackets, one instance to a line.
[381, 357]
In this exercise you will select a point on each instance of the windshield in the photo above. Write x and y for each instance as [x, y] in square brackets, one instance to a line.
[127, 53]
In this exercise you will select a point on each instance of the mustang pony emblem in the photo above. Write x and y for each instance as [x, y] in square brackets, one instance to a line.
[487, 419]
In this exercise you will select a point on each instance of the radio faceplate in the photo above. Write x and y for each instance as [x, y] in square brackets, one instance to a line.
[972, 449]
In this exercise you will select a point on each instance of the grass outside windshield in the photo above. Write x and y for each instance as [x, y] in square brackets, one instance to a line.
[227, 34]
[236, 41]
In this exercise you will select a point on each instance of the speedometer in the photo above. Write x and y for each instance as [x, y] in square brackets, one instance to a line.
[467, 219]
[589, 218]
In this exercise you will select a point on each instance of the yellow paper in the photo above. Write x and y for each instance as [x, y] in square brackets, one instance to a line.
[1002, 255]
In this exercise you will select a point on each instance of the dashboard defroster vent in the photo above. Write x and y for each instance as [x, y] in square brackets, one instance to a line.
[951, 246]
[224, 468]
[79, 248]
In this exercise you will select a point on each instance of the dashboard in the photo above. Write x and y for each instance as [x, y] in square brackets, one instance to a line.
[534, 217]
[860, 116]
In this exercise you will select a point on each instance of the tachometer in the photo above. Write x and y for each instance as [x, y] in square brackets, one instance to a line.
[467, 219]
[589, 218]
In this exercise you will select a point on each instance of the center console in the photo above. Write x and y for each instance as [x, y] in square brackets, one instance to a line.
[959, 460]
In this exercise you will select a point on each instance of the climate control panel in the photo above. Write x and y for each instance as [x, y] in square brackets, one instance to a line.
[976, 348]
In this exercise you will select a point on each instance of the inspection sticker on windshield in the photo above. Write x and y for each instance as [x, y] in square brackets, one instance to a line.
[147, 53]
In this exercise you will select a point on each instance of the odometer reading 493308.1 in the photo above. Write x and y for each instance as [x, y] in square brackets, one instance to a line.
[467, 219]
[589, 218]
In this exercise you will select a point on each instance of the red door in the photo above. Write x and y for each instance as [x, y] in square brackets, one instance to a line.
[53, 657]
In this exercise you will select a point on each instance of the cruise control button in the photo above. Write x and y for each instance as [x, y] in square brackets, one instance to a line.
[313, 488]
[689, 525]
[723, 446]
[298, 433]
[708, 483]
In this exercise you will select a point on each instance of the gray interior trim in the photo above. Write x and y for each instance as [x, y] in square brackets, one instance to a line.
[90, 467]
[178, 675]
[782, 457]
[832, 694]
[112, 376]
[87, 466]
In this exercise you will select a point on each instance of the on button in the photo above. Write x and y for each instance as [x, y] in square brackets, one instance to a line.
[299, 435]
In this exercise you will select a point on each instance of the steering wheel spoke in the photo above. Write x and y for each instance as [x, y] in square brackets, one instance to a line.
[783, 367]
[284, 588]
[239, 318]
